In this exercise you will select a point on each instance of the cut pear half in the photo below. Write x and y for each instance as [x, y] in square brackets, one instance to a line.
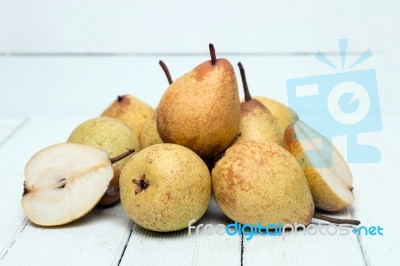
[64, 182]
[328, 174]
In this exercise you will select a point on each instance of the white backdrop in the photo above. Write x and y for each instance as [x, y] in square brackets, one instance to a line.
[180, 26]
[74, 57]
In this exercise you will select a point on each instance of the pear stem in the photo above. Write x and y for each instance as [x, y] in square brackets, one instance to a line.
[121, 156]
[247, 96]
[212, 53]
[166, 71]
[336, 220]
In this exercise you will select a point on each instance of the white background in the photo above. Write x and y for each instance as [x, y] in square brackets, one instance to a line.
[63, 62]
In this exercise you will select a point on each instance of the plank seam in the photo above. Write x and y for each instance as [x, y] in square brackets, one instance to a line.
[14, 238]
[126, 244]
[15, 130]
[360, 242]
[241, 250]
[167, 54]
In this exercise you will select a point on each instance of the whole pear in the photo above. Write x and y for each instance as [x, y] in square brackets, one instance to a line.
[130, 110]
[201, 109]
[115, 138]
[149, 135]
[165, 186]
[256, 121]
[261, 182]
[283, 114]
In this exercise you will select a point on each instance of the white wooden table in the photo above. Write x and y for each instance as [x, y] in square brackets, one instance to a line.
[56, 79]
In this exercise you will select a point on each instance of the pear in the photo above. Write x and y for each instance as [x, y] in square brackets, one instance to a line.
[283, 114]
[65, 181]
[256, 121]
[328, 174]
[149, 135]
[201, 109]
[165, 186]
[261, 182]
[113, 136]
[130, 110]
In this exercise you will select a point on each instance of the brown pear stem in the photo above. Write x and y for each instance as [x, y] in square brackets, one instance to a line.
[247, 96]
[336, 220]
[122, 156]
[212, 53]
[166, 71]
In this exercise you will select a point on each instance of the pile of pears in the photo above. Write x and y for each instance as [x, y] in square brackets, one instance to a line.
[164, 165]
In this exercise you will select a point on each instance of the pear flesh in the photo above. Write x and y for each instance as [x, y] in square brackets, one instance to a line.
[261, 182]
[201, 109]
[64, 182]
[165, 186]
[328, 175]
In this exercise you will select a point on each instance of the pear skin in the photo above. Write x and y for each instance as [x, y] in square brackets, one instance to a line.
[201, 109]
[256, 121]
[261, 182]
[149, 135]
[165, 186]
[330, 186]
[130, 110]
[283, 114]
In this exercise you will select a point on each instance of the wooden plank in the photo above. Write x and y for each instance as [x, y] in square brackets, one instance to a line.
[179, 248]
[377, 197]
[181, 27]
[300, 249]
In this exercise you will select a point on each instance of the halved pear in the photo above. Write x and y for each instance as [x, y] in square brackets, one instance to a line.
[64, 182]
[328, 174]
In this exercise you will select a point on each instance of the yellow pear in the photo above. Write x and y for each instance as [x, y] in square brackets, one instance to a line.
[115, 138]
[261, 182]
[149, 135]
[328, 175]
[130, 110]
[201, 109]
[256, 121]
[283, 114]
[164, 187]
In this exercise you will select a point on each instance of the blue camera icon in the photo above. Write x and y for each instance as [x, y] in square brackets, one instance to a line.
[345, 103]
